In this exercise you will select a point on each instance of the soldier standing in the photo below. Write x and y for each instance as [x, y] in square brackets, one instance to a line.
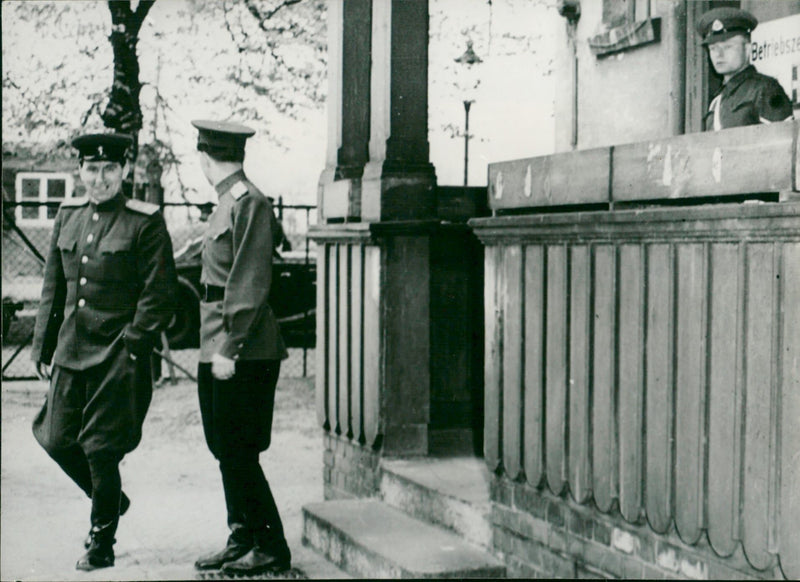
[746, 97]
[240, 353]
[107, 294]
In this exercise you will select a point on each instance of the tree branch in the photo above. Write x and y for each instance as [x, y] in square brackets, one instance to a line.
[239, 45]
[137, 18]
[262, 18]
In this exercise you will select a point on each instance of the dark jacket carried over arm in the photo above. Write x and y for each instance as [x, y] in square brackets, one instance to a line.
[156, 268]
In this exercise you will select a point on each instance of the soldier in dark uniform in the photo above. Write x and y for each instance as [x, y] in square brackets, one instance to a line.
[107, 294]
[746, 97]
[240, 353]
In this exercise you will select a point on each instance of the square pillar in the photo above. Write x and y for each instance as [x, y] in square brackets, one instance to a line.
[399, 179]
[393, 280]
[349, 50]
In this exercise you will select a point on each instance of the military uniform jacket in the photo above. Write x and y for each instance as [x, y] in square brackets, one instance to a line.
[748, 98]
[109, 277]
[237, 255]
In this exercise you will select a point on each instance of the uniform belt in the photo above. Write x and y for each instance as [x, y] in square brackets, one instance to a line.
[213, 293]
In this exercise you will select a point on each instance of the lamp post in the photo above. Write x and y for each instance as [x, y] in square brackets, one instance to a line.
[467, 103]
[469, 58]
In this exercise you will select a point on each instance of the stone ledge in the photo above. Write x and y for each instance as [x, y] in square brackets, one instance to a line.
[682, 167]
[369, 539]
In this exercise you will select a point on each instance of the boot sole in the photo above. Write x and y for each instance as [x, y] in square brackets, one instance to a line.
[276, 569]
[210, 568]
[88, 567]
[216, 565]
[290, 574]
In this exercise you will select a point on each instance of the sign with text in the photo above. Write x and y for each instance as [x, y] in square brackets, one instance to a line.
[775, 51]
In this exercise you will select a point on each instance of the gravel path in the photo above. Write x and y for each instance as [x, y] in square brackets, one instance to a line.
[177, 511]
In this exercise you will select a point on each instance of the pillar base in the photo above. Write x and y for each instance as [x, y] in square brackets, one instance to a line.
[339, 199]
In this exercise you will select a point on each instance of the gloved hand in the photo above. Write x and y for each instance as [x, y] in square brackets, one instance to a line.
[138, 344]
[43, 370]
[222, 368]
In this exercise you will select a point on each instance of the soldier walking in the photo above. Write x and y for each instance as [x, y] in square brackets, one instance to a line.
[107, 294]
[240, 353]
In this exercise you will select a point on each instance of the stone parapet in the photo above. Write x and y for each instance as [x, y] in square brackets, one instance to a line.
[742, 161]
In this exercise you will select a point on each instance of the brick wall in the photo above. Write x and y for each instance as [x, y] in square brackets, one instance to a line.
[350, 470]
[541, 535]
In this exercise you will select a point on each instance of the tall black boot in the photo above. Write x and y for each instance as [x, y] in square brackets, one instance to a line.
[241, 539]
[270, 554]
[124, 505]
[101, 548]
[239, 543]
[106, 505]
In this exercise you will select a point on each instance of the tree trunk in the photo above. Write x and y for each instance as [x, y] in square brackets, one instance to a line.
[123, 112]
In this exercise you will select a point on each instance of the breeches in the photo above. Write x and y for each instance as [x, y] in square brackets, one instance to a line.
[237, 421]
[90, 420]
[102, 408]
[237, 413]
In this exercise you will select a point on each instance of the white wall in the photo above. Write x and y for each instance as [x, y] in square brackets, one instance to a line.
[513, 113]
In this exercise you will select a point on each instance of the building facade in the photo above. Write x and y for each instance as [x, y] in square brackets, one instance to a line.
[611, 329]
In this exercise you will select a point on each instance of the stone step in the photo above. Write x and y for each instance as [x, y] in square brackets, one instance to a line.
[452, 493]
[369, 539]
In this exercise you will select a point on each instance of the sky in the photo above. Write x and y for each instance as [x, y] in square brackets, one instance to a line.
[512, 89]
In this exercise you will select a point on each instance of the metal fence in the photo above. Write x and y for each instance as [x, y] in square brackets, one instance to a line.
[26, 238]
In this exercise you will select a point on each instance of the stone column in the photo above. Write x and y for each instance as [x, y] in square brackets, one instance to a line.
[399, 178]
[393, 280]
[349, 54]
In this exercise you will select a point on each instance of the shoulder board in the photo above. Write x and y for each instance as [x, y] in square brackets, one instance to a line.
[81, 201]
[142, 207]
[238, 190]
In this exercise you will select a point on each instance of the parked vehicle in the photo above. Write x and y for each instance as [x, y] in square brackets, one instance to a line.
[292, 297]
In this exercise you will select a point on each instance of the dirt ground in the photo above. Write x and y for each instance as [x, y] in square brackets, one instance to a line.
[177, 510]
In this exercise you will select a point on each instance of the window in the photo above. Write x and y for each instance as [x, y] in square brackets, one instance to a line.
[627, 24]
[41, 193]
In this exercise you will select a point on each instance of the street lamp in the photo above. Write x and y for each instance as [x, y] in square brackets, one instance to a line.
[471, 82]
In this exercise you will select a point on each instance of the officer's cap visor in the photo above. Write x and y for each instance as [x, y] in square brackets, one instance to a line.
[715, 37]
[221, 135]
[99, 147]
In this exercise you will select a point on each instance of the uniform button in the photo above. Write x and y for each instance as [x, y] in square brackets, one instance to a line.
[95, 217]
[84, 259]
[90, 238]
[83, 281]
[81, 302]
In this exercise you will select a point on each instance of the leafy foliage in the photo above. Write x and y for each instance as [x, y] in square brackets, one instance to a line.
[262, 62]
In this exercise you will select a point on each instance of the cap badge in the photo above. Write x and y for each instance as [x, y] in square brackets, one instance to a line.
[100, 151]
[717, 25]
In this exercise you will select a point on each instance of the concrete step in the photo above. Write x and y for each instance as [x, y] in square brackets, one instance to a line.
[452, 493]
[369, 539]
